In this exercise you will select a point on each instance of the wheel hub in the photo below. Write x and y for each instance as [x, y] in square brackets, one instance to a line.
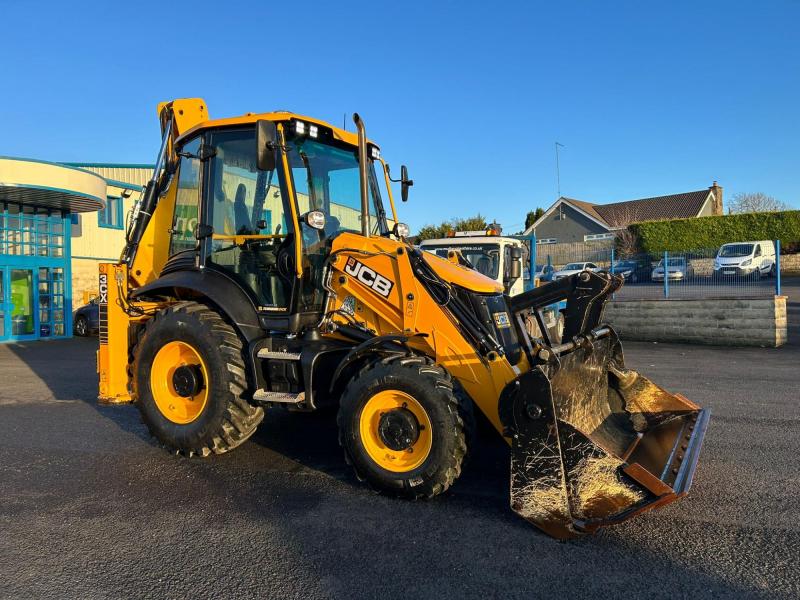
[187, 381]
[398, 429]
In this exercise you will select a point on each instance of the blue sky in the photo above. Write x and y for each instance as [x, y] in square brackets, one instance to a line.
[647, 98]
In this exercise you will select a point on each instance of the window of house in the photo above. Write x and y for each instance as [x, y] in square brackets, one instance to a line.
[547, 241]
[111, 216]
[598, 236]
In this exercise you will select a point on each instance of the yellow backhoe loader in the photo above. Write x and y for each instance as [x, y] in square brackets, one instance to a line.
[261, 270]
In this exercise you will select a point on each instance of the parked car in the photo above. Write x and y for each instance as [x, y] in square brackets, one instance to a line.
[544, 273]
[678, 269]
[633, 270]
[745, 259]
[572, 268]
[86, 320]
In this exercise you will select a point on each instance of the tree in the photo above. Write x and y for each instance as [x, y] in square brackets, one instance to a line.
[753, 202]
[533, 216]
[476, 223]
[625, 240]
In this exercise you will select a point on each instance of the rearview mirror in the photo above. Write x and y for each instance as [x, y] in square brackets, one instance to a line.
[515, 268]
[266, 142]
[405, 183]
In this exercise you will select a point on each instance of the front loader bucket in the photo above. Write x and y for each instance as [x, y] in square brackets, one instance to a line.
[593, 443]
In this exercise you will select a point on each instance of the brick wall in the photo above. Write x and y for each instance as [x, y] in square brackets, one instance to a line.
[723, 322]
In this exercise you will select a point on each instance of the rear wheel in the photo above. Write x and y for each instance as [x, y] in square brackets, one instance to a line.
[190, 378]
[400, 427]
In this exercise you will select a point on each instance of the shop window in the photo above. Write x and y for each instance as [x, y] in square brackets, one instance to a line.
[111, 216]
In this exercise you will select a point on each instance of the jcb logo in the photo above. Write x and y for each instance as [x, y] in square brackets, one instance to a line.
[368, 277]
[103, 288]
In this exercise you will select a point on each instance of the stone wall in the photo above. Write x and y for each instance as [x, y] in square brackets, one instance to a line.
[790, 264]
[723, 322]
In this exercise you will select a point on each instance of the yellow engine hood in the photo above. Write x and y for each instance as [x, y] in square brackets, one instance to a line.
[462, 276]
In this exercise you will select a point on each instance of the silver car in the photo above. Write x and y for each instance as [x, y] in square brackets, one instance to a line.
[678, 269]
[572, 268]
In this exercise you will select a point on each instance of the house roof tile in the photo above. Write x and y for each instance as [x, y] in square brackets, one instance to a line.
[620, 214]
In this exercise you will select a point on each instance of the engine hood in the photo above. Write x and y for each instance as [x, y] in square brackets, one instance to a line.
[462, 276]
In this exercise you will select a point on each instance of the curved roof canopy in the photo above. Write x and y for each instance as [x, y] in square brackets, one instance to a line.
[50, 185]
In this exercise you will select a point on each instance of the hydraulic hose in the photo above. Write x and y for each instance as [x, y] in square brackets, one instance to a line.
[147, 203]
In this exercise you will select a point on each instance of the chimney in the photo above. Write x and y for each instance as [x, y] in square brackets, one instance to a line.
[716, 203]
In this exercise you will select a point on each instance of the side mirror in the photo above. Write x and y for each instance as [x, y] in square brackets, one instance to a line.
[405, 183]
[266, 142]
[261, 224]
[202, 231]
[515, 268]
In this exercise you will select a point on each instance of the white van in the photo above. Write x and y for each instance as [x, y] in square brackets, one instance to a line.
[742, 259]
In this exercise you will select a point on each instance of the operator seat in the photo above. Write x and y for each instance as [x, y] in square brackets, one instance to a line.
[240, 213]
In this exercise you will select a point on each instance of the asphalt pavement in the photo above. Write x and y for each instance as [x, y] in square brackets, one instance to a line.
[90, 507]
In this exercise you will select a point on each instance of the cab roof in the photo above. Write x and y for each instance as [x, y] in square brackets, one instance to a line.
[277, 116]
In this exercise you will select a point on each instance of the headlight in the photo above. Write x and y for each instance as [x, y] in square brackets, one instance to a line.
[626, 273]
[315, 219]
[747, 263]
[401, 230]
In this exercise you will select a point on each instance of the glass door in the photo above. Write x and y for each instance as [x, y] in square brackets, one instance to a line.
[3, 300]
[21, 307]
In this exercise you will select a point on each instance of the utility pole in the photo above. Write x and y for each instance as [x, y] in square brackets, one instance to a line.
[558, 170]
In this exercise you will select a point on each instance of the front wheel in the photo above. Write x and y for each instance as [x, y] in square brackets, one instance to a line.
[190, 380]
[81, 326]
[400, 427]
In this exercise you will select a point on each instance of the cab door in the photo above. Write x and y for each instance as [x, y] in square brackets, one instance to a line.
[252, 237]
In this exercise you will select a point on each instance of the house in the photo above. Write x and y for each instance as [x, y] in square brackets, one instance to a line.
[570, 220]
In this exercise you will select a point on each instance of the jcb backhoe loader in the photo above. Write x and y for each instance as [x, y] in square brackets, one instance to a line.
[261, 269]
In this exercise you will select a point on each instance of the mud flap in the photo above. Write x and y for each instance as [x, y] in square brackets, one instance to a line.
[593, 443]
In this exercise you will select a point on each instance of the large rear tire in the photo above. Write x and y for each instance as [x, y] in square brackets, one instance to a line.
[401, 427]
[190, 380]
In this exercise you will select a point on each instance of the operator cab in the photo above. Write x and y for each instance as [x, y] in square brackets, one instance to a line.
[242, 221]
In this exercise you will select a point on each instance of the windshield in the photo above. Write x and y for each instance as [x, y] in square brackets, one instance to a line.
[326, 178]
[485, 258]
[736, 250]
[573, 267]
[626, 264]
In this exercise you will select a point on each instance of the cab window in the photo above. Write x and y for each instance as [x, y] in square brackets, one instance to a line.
[187, 200]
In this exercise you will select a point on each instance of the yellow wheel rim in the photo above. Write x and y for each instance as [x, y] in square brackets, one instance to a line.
[397, 461]
[178, 409]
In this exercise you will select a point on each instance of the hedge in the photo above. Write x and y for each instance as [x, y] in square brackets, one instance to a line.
[712, 232]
